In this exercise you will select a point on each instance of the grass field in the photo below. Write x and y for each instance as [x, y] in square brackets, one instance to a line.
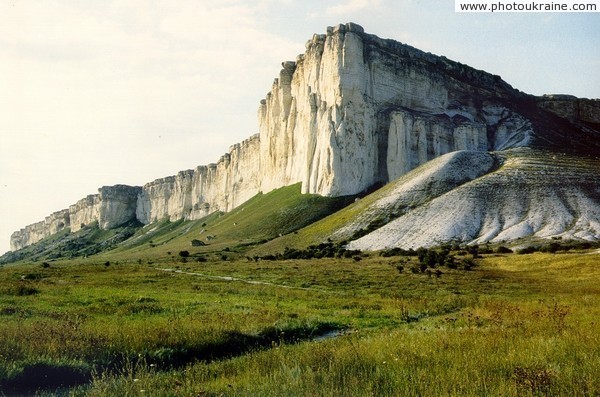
[514, 325]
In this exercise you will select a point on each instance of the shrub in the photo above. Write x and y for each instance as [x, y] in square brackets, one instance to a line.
[450, 263]
[528, 250]
[474, 250]
[503, 250]
[197, 243]
[431, 258]
[184, 254]
[22, 289]
[552, 247]
[397, 252]
[468, 264]
[32, 276]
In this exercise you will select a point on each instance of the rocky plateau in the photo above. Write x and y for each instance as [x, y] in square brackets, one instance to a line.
[471, 159]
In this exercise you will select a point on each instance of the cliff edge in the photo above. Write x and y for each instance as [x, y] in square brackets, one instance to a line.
[351, 112]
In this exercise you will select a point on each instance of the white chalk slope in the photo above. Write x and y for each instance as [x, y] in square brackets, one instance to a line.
[463, 197]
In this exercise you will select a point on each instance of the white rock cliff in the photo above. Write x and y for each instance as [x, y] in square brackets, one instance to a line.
[354, 110]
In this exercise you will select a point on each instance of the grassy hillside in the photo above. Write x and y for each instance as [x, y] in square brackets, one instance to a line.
[260, 219]
[90, 240]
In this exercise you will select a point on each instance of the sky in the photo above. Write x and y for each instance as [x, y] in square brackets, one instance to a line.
[96, 93]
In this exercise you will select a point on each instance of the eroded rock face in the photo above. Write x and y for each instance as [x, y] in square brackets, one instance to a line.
[111, 207]
[53, 223]
[354, 110]
[532, 194]
[572, 108]
[117, 205]
[193, 194]
[85, 211]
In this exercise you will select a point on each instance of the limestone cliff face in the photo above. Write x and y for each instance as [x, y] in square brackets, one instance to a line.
[85, 211]
[117, 205]
[111, 207]
[52, 224]
[572, 108]
[353, 111]
[193, 194]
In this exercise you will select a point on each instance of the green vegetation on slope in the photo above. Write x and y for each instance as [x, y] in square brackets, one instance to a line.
[262, 218]
[90, 240]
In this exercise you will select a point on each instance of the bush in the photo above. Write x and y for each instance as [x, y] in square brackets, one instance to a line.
[468, 264]
[450, 263]
[528, 250]
[397, 252]
[32, 276]
[184, 254]
[503, 250]
[22, 289]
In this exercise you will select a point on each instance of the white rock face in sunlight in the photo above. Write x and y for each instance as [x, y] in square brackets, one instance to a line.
[530, 195]
[113, 206]
[353, 111]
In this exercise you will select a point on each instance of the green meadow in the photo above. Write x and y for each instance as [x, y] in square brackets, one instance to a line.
[258, 302]
[513, 325]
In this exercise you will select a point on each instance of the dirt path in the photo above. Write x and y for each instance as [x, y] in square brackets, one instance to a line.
[241, 280]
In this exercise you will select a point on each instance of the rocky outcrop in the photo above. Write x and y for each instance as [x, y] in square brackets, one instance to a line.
[30, 234]
[355, 110]
[351, 112]
[118, 205]
[572, 108]
[85, 211]
[193, 194]
[111, 207]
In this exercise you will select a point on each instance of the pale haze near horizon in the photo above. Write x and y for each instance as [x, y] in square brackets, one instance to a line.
[125, 92]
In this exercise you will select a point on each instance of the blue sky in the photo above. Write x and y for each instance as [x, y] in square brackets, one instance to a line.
[100, 93]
